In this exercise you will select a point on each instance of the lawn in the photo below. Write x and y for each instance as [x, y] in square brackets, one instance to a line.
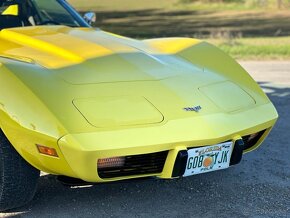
[244, 31]
[122, 5]
[127, 5]
[264, 48]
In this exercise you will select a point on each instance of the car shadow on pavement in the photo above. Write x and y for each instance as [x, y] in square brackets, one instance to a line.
[258, 187]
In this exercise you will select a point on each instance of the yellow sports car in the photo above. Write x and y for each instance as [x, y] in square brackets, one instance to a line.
[91, 106]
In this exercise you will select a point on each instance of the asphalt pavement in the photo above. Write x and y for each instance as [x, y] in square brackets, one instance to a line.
[258, 187]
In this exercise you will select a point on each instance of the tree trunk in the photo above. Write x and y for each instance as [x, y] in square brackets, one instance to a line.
[279, 4]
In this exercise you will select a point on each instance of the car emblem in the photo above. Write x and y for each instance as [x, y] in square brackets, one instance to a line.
[195, 108]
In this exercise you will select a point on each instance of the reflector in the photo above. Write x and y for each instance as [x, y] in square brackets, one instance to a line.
[253, 136]
[111, 162]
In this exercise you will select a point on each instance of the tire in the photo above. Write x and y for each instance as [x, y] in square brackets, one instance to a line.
[18, 179]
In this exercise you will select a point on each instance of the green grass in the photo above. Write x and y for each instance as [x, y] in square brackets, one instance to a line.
[122, 5]
[219, 6]
[234, 5]
[127, 5]
[275, 48]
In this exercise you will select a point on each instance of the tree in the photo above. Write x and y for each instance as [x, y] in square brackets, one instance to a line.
[279, 3]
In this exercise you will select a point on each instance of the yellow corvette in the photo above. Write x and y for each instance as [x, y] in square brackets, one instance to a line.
[93, 106]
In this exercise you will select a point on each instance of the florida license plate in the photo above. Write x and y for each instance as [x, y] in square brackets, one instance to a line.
[208, 159]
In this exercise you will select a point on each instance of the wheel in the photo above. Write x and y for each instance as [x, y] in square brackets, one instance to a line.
[18, 179]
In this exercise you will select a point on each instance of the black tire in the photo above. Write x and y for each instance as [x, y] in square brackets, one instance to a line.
[18, 179]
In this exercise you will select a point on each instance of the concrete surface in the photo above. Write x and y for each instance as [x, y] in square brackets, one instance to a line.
[258, 187]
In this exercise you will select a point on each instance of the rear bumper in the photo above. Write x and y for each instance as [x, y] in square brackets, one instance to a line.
[82, 151]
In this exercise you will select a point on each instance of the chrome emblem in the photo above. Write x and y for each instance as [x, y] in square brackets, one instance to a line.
[196, 108]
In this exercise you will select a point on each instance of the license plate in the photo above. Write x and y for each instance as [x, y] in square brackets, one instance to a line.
[208, 159]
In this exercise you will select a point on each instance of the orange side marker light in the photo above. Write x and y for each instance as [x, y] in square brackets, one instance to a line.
[47, 151]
